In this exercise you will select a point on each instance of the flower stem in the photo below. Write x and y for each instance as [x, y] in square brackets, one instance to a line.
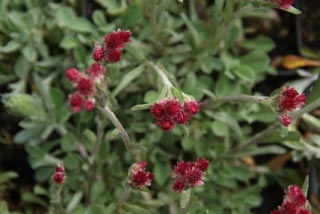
[246, 98]
[125, 195]
[93, 165]
[160, 73]
[57, 208]
[112, 117]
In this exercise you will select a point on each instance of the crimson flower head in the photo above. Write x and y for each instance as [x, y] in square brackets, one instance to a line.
[192, 107]
[290, 99]
[59, 175]
[75, 102]
[285, 4]
[167, 112]
[98, 53]
[189, 174]
[294, 202]
[139, 177]
[85, 85]
[73, 75]
[96, 70]
[285, 119]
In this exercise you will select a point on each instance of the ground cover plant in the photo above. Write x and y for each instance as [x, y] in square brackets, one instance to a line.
[152, 106]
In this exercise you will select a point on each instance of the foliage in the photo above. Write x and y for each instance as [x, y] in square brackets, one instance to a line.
[209, 57]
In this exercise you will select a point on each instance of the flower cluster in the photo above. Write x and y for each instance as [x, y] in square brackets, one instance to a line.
[111, 50]
[289, 100]
[83, 98]
[59, 175]
[189, 174]
[170, 111]
[139, 177]
[285, 4]
[294, 202]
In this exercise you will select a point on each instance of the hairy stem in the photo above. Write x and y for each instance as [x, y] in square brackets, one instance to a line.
[247, 98]
[93, 164]
[125, 195]
[112, 117]
[160, 73]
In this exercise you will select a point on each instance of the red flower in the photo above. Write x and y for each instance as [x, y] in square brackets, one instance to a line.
[172, 108]
[294, 202]
[59, 168]
[96, 70]
[202, 164]
[192, 107]
[85, 86]
[166, 125]
[139, 177]
[189, 174]
[75, 101]
[282, 3]
[285, 119]
[98, 53]
[170, 111]
[181, 118]
[116, 39]
[89, 104]
[178, 185]
[290, 99]
[59, 176]
[73, 74]
[158, 110]
[114, 56]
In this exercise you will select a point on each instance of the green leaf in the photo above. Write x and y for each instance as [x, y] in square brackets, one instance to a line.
[89, 139]
[65, 16]
[188, 143]
[30, 53]
[99, 18]
[29, 197]
[127, 79]
[81, 25]
[141, 107]
[76, 198]
[261, 43]
[185, 198]
[220, 129]
[69, 42]
[10, 47]
[305, 185]
[244, 72]
[68, 142]
[4, 207]
[257, 60]
[160, 172]
[314, 92]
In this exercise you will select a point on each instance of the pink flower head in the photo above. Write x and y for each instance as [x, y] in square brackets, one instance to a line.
[285, 4]
[96, 70]
[167, 112]
[59, 176]
[166, 124]
[192, 107]
[290, 99]
[75, 101]
[114, 56]
[139, 177]
[189, 174]
[89, 104]
[59, 168]
[116, 39]
[181, 118]
[85, 86]
[73, 75]
[98, 53]
[294, 202]
[172, 108]
[285, 119]
[158, 110]
[178, 185]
